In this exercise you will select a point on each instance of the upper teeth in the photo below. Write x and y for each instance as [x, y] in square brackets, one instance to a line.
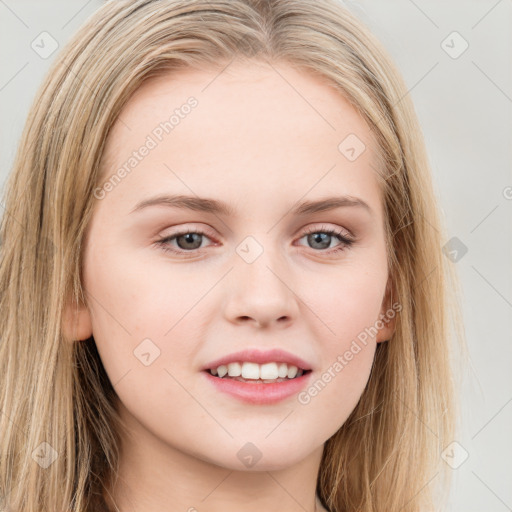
[257, 371]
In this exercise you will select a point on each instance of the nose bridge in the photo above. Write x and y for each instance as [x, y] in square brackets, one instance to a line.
[258, 265]
[259, 286]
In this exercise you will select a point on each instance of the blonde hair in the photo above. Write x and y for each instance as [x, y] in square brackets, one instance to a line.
[58, 392]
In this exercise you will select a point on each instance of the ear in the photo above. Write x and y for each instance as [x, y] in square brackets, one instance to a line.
[387, 318]
[76, 322]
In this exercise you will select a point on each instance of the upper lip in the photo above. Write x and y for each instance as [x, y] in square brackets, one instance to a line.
[260, 357]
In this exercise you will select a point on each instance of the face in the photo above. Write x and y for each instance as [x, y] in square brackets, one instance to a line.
[173, 287]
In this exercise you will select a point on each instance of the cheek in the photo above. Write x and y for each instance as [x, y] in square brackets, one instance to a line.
[347, 348]
[347, 307]
[334, 391]
[347, 303]
[139, 310]
[142, 297]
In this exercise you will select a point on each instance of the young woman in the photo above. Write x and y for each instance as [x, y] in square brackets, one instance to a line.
[222, 285]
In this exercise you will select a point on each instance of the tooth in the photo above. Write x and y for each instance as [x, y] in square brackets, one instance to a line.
[292, 371]
[251, 371]
[282, 370]
[268, 371]
[234, 369]
[222, 370]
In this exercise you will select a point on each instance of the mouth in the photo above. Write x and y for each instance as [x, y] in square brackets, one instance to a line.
[259, 377]
[254, 373]
[245, 387]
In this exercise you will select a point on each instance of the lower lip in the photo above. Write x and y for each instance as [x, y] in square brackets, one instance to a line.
[259, 393]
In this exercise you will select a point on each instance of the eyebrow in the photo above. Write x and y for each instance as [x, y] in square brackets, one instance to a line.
[214, 206]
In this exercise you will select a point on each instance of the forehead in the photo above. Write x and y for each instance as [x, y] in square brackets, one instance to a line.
[252, 124]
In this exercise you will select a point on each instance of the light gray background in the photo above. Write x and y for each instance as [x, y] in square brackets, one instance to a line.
[465, 106]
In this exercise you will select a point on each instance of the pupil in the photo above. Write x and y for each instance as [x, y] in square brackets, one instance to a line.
[189, 239]
[317, 238]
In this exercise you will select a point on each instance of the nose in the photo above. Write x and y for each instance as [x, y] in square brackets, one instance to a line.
[261, 293]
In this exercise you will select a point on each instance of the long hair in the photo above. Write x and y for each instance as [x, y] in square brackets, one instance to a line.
[59, 429]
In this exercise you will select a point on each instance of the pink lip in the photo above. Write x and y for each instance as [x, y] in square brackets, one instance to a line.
[260, 357]
[259, 393]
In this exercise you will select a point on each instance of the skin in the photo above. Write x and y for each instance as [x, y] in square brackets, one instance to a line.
[261, 139]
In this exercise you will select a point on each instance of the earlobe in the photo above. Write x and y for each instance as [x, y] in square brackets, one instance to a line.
[387, 319]
[76, 322]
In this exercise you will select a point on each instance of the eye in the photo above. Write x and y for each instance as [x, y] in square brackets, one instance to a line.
[190, 240]
[187, 241]
[321, 239]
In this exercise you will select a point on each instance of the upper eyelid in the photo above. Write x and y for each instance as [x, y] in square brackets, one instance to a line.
[306, 230]
[323, 227]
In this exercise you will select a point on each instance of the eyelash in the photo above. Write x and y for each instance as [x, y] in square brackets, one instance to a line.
[346, 243]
